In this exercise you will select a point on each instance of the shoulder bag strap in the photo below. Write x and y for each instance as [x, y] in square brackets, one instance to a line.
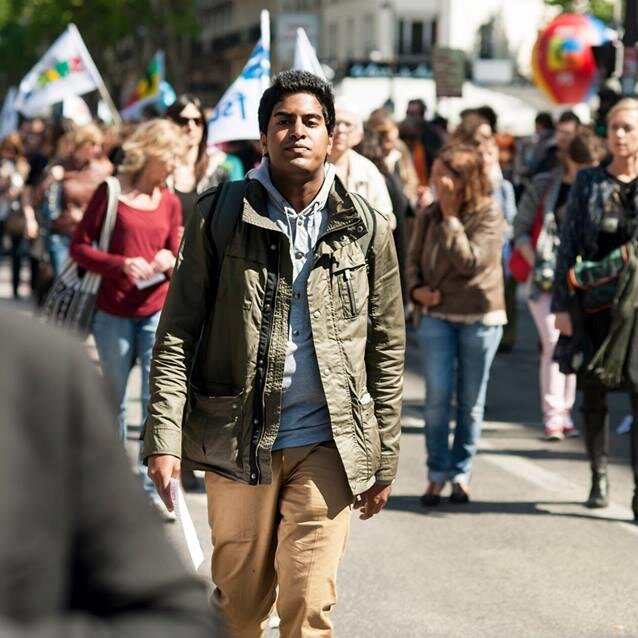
[113, 188]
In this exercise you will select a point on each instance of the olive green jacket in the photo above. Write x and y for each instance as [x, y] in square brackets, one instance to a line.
[218, 360]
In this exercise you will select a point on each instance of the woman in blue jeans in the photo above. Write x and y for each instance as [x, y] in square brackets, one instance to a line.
[455, 279]
[136, 269]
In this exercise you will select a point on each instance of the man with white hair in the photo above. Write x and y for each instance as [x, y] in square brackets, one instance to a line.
[357, 173]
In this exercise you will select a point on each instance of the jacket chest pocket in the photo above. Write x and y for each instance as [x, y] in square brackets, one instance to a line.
[350, 285]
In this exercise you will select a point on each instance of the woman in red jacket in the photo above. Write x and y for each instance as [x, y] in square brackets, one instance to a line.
[136, 269]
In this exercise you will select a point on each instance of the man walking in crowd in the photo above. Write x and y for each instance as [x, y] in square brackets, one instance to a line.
[79, 545]
[285, 344]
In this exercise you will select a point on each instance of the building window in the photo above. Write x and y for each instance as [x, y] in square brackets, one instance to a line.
[350, 39]
[417, 37]
[333, 38]
[369, 39]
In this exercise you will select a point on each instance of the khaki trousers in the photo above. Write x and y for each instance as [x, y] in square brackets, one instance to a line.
[291, 534]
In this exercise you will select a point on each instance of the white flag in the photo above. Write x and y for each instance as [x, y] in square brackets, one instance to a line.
[9, 115]
[65, 69]
[305, 56]
[235, 116]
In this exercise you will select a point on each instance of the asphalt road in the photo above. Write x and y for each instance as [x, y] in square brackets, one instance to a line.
[523, 559]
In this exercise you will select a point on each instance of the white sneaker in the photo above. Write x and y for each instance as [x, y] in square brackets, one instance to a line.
[554, 435]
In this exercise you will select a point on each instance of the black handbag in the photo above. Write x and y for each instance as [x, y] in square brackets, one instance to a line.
[70, 303]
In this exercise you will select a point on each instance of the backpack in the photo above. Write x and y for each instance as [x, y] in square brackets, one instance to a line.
[227, 206]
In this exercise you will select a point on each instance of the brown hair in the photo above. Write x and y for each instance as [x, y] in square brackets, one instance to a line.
[465, 162]
[586, 147]
[466, 130]
[381, 122]
[14, 142]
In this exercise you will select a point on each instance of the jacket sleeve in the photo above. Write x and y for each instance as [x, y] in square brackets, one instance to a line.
[385, 348]
[183, 317]
[88, 232]
[527, 208]
[470, 254]
[569, 246]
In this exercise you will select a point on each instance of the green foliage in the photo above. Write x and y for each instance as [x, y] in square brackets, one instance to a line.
[28, 27]
[601, 9]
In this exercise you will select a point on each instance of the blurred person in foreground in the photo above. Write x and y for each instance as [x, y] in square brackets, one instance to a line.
[287, 353]
[137, 267]
[455, 279]
[82, 554]
[357, 173]
[543, 207]
[601, 216]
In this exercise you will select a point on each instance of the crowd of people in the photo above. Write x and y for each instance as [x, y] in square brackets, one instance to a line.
[267, 314]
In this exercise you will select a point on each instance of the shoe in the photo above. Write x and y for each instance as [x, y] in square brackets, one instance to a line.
[571, 432]
[169, 517]
[634, 505]
[553, 435]
[599, 493]
[459, 495]
[432, 494]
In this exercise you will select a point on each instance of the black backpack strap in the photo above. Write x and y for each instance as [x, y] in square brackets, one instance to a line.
[224, 213]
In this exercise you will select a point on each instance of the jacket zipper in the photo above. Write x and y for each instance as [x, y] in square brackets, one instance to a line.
[353, 302]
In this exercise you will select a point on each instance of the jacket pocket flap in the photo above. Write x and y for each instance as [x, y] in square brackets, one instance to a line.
[218, 405]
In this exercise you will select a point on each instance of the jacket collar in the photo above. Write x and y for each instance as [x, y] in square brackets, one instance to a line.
[341, 211]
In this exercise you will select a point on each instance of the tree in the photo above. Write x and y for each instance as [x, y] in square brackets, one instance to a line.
[121, 35]
[601, 9]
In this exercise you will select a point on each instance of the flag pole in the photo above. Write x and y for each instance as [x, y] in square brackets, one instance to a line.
[95, 74]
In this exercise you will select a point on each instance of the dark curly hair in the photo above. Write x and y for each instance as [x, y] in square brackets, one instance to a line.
[289, 82]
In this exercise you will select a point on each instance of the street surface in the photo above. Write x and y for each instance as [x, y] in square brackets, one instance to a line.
[523, 559]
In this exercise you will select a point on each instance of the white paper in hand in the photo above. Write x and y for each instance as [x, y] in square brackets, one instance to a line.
[185, 520]
[157, 278]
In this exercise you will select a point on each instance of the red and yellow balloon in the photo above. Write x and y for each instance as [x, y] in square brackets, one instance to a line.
[562, 60]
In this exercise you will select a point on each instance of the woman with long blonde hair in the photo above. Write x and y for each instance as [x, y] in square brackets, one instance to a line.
[137, 267]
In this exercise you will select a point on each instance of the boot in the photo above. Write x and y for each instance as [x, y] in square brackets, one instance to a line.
[596, 436]
[599, 493]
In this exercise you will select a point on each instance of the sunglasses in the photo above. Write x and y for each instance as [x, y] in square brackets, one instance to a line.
[183, 121]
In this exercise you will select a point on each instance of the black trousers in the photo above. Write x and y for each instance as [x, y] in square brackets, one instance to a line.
[596, 427]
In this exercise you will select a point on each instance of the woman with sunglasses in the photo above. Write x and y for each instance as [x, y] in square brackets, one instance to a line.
[199, 169]
[455, 279]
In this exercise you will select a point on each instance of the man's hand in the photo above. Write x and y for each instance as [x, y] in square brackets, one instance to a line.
[161, 469]
[563, 324]
[372, 501]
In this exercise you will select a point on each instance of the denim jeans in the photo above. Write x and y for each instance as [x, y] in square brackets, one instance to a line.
[120, 341]
[58, 247]
[456, 358]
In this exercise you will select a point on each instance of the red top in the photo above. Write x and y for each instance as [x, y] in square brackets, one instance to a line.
[137, 233]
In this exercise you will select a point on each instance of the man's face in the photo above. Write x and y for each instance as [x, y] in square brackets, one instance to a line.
[565, 133]
[622, 133]
[297, 140]
[348, 131]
